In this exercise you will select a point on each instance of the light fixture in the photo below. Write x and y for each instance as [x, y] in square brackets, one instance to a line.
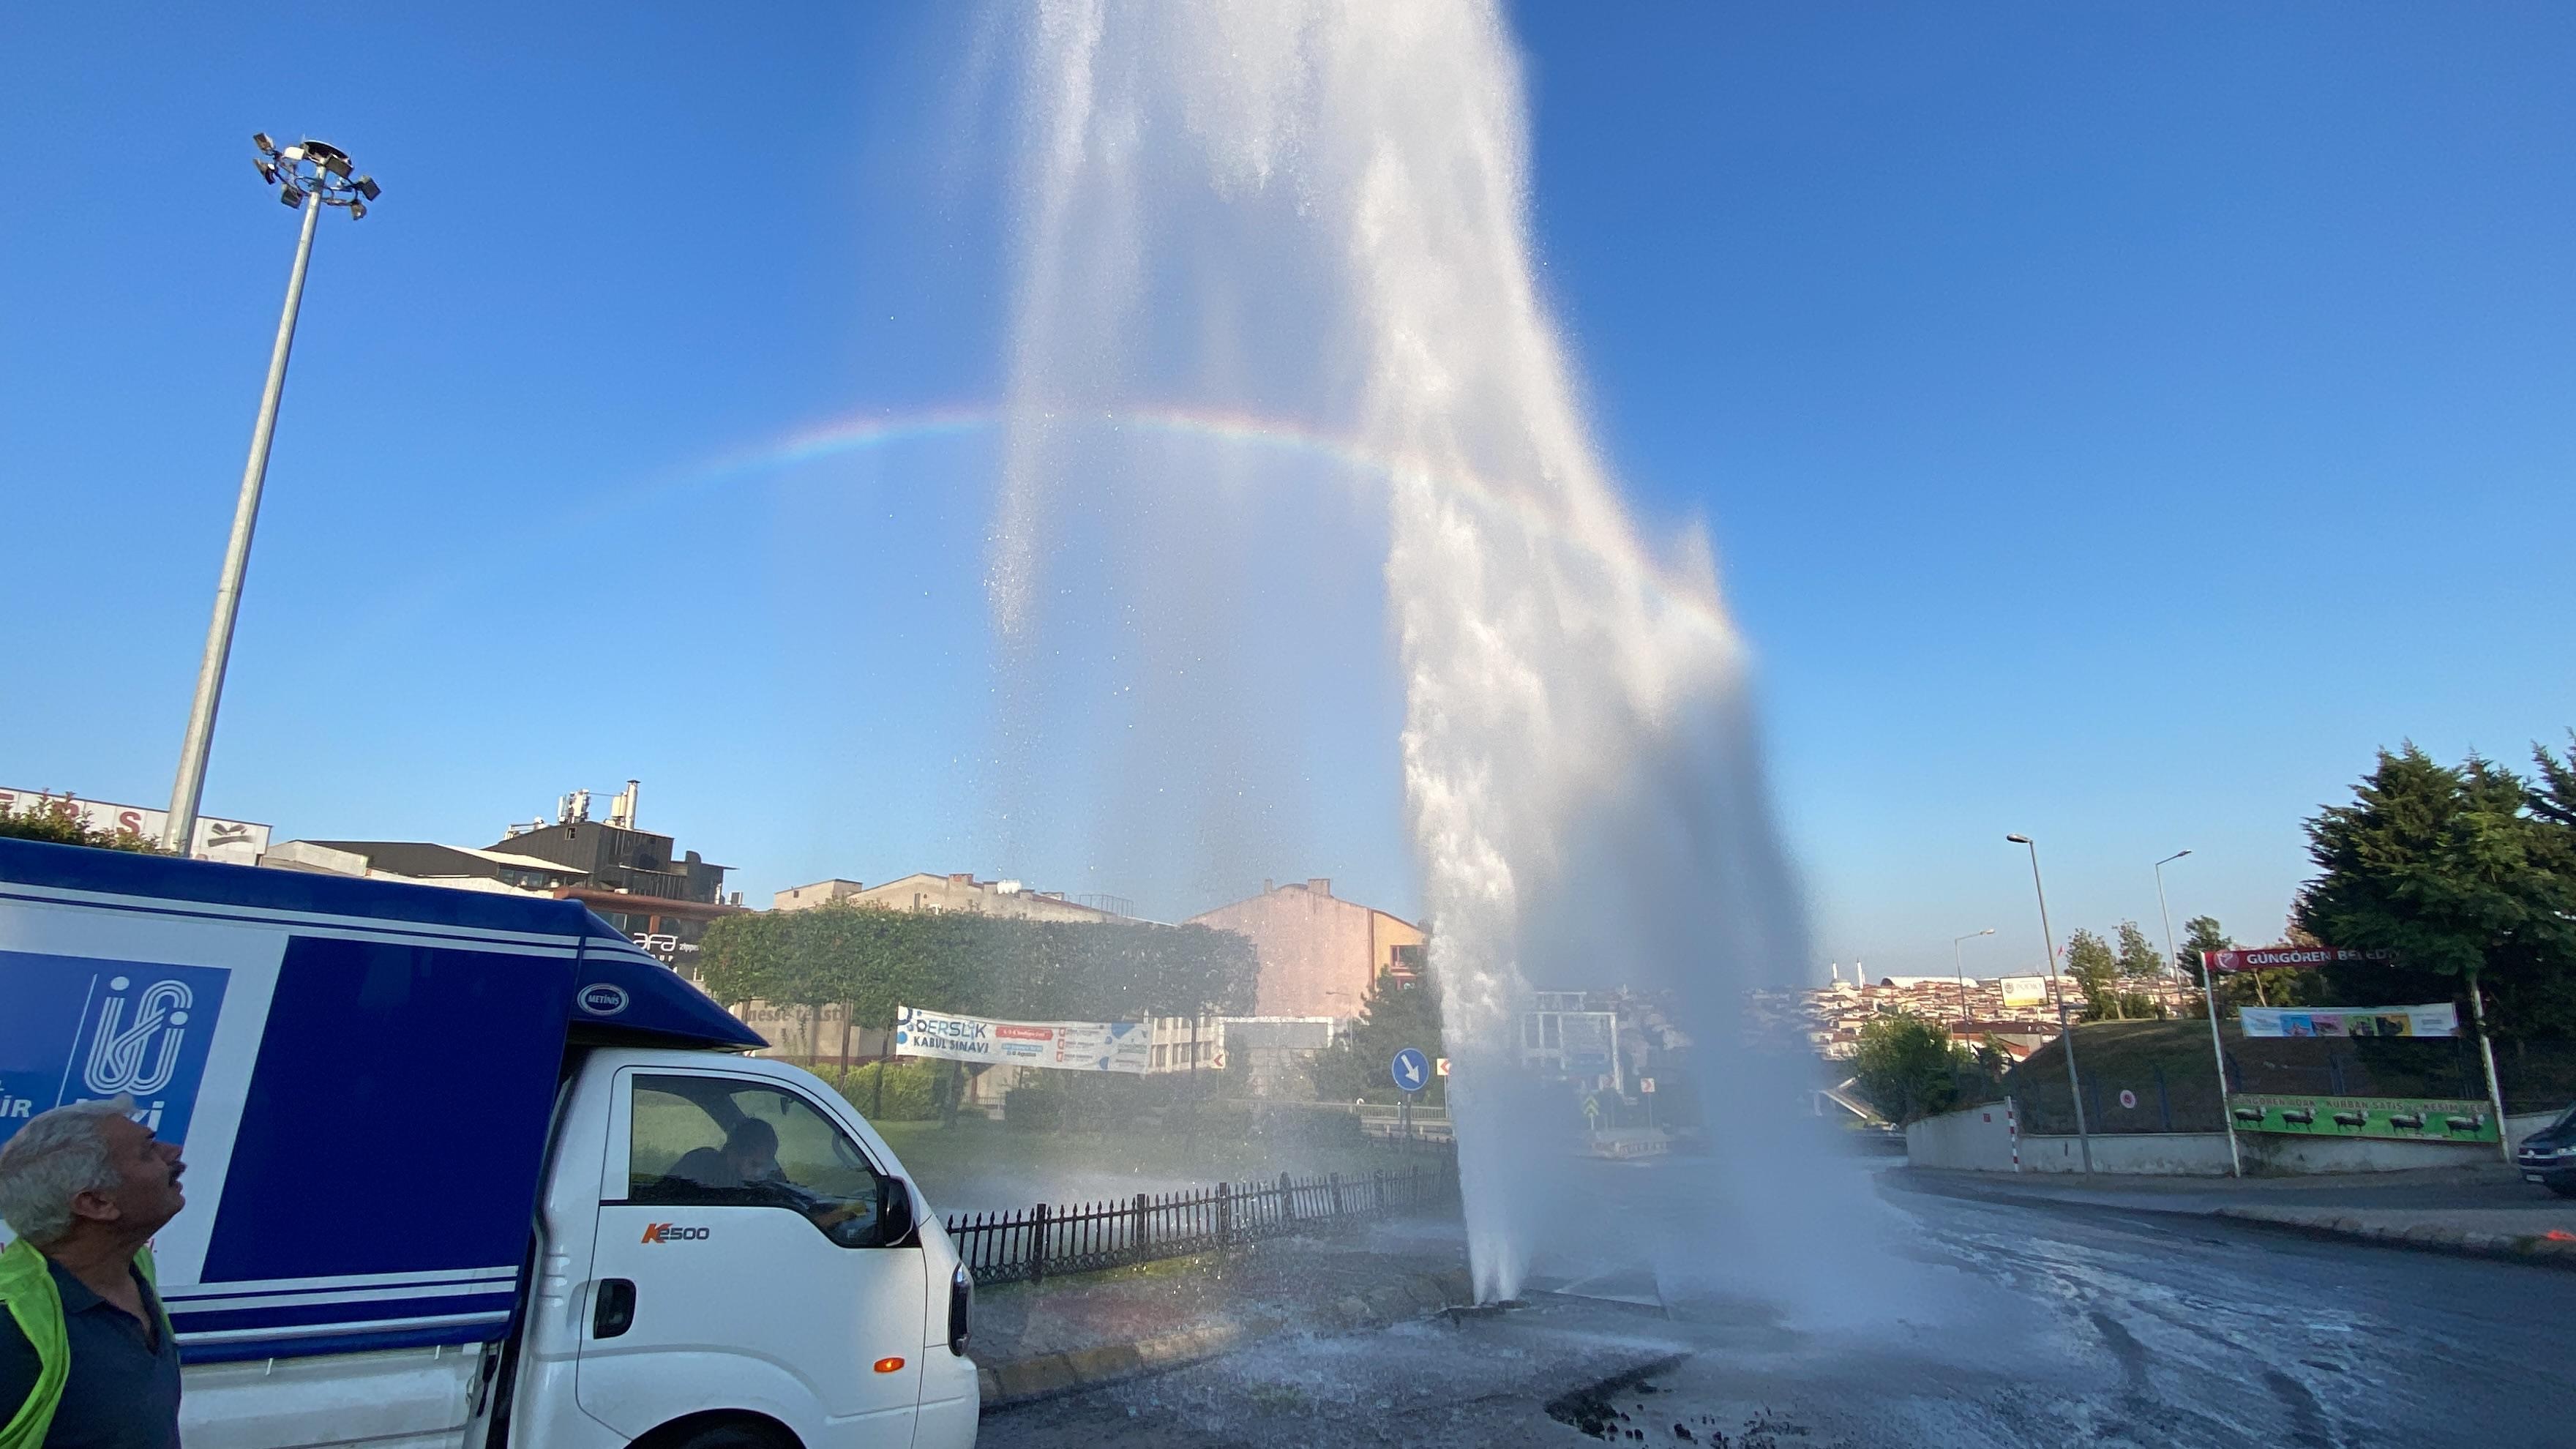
[357, 209]
[291, 196]
[267, 169]
[291, 153]
[266, 146]
[368, 188]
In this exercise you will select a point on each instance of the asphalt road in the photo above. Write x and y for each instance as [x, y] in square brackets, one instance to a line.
[1917, 1320]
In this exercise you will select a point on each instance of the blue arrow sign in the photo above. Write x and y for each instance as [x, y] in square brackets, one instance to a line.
[1411, 1069]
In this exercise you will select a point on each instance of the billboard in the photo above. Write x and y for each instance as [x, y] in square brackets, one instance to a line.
[2404, 1119]
[2440, 1019]
[2024, 990]
[235, 842]
[1073, 1046]
[2283, 958]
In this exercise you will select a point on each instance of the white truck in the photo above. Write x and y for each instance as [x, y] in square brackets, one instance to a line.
[471, 1171]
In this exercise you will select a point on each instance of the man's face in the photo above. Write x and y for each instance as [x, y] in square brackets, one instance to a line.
[753, 1164]
[146, 1193]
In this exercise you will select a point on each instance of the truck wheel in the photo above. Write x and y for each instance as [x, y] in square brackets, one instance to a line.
[736, 1436]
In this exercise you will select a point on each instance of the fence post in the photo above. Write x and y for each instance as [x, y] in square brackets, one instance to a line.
[1287, 1200]
[1335, 1179]
[1377, 1191]
[1224, 1216]
[1037, 1242]
[1137, 1238]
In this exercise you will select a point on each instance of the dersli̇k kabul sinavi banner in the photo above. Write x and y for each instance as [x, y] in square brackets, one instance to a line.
[1073, 1046]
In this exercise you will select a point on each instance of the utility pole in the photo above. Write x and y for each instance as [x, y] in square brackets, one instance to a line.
[311, 175]
[2208, 995]
[2065, 1028]
[1957, 965]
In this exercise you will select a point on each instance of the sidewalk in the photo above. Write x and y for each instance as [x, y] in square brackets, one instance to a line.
[2485, 1210]
[1035, 1340]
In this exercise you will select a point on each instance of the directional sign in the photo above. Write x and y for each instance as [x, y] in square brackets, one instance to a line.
[1411, 1068]
[1440, 1066]
[1646, 1085]
[1592, 1111]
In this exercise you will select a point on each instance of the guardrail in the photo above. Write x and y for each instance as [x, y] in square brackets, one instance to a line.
[1026, 1244]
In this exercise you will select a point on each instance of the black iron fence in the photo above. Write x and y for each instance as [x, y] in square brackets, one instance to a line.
[1027, 1244]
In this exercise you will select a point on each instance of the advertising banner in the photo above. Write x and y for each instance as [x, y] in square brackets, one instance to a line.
[2405, 1119]
[80, 1030]
[2440, 1019]
[2287, 958]
[1073, 1046]
[235, 842]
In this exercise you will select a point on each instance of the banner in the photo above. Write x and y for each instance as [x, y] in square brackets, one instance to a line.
[1073, 1046]
[2440, 1019]
[2278, 958]
[2405, 1119]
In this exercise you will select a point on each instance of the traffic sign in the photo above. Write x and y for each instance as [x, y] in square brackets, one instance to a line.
[2128, 1098]
[1440, 1066]
[1592, 1111]
[1411, 1069]
[1646, 1085]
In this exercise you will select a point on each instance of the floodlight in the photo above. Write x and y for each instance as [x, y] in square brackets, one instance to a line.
[337, 165]
[291, 196]
[291, 153]
[267, 169]
[357, 209]
[368, 188]
[260, 139]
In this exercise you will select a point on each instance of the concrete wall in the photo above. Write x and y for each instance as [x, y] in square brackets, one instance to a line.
[1977, 1139]
[1974, 1140]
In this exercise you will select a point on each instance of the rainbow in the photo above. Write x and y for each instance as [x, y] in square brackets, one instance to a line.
[849, 436]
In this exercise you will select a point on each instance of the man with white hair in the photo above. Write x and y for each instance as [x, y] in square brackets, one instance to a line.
[86, 1357]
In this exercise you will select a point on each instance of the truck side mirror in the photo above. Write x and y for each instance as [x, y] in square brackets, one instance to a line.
[894, 1212]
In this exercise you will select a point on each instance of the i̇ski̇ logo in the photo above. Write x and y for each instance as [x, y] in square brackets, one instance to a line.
[140, 1054]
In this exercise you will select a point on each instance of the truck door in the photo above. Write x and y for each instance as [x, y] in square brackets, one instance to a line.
[737, 1266]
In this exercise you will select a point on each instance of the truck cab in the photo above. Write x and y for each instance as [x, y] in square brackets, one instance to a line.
[473, 1171]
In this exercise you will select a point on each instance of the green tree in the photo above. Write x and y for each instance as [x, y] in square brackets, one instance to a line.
[2201, 934]
[2097, 974]
[57, 820]
[2457, 874]
[1908, 1067]
[1392, 1018]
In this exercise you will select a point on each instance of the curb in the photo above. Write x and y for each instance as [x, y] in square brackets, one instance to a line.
[1049, 1375]
[2532, 1248]
[2529, 1248]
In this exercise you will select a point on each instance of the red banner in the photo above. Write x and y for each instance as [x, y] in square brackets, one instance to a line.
[2288, 958]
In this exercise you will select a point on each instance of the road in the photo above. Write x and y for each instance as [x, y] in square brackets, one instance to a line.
[1950, 1322]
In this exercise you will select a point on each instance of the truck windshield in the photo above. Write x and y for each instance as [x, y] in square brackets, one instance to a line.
[724, 1141]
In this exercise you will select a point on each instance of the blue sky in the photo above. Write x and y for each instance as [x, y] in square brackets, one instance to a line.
[2115, 423]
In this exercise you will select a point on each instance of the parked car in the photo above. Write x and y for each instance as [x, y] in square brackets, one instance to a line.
[2548, 1156]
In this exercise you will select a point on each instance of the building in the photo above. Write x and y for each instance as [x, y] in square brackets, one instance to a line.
[1319, 954]
[961, 891]
[454, 866]
[637, 881]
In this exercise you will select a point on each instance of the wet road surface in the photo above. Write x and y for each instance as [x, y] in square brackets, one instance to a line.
[1949, 1322]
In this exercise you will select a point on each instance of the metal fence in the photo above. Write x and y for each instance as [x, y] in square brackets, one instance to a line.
[1027, 1244]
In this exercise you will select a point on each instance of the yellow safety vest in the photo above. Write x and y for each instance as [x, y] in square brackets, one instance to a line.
[27, 1288]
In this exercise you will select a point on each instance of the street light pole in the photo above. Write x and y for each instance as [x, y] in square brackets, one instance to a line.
[1962, 970]
[313, 174]
[2209, 997]
[2065, 1028]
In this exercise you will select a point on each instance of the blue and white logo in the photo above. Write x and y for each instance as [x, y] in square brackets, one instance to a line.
[602, 999]
[1411, 1069]
[137, 1052]
[79, 1029]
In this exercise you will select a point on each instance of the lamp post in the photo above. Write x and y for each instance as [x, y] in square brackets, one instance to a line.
[2065, 1028]
[2209, 998]
[1962, 970]
[309, 175]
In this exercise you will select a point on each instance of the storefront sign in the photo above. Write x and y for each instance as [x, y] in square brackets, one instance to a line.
[2289, 958]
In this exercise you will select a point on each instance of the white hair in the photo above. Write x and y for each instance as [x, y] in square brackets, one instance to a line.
[56, 1157]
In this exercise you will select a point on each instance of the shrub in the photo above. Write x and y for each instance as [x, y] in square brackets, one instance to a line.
[909, 1093]
[1033, 1109]
[57, 819]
